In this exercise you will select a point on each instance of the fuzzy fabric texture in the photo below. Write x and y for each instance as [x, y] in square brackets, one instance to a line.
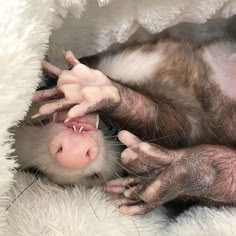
[47, 209]
[99, 27]
[27, 29]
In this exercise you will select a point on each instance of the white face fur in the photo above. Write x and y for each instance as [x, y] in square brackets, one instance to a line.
[31, 147]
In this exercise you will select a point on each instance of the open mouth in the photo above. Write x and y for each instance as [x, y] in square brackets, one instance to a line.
[82, 125]
[86, 123]
[90, 122]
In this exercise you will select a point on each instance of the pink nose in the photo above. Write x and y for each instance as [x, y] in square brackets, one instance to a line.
[75, 153]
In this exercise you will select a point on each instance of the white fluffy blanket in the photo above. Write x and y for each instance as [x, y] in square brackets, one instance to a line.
[27, 29]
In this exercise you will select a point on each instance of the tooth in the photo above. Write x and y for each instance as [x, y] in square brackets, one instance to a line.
[66, 120]
[97, 121]
[74, 128]
[36, 115]
[81, 128]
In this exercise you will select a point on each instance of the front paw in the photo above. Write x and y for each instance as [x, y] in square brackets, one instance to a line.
[131, 201]
[95, 99]
[159, 175]
[82, 90]
[145, 163]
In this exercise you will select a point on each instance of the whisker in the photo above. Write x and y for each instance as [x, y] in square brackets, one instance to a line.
[117, 175]
[34, 161]
[90, 203]
[104, 184]
[113, 173]
[32, 132]
[160, 138]
[130, 172]
[110, 136]
[123, 125]
[135, 225]
[37, 177]
[114, 144]
[110, 133]
[21, 193]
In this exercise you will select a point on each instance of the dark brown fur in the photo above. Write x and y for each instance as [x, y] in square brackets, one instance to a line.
[181, 89]
[183, 105]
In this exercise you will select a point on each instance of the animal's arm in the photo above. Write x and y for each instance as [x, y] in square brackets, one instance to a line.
[205, 172]
[162, 121]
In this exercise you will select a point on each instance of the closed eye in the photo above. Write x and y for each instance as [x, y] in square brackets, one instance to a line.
[39, 123]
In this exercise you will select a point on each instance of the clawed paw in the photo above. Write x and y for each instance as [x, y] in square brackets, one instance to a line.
[157, 175]
[82, 90]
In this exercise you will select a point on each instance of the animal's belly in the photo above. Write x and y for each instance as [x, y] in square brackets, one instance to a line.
[131, 66]
[222, 60]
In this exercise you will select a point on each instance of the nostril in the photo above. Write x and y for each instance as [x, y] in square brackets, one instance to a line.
[59, 149]
[87, 154]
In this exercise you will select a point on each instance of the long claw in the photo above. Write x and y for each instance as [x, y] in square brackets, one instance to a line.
[66, 120]
[70, 58]
[36, 115]
[51, 70]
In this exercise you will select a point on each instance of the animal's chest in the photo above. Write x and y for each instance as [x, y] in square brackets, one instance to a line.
[133, 67]
[221, 58]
